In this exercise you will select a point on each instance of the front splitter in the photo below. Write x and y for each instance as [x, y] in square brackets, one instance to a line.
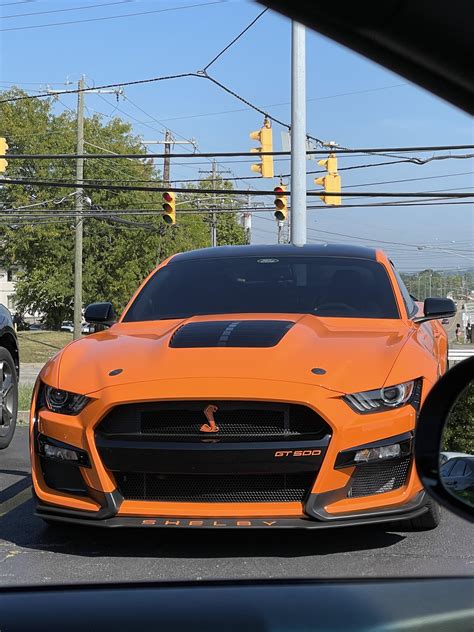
[76, 517]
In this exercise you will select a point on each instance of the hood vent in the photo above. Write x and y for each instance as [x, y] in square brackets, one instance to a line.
[230, 333]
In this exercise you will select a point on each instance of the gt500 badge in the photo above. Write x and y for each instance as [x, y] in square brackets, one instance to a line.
[297, 453]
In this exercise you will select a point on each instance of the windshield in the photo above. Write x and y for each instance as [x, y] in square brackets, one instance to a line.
[322, 286]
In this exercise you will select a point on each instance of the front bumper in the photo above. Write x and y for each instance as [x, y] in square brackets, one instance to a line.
[106, 518]
[328, 503]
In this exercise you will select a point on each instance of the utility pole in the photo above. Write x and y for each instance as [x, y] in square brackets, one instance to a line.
[247, 221]
[167, 142]
[213, 219]
[298, 135]
[166, 160]
[79, 230]
[214, 216]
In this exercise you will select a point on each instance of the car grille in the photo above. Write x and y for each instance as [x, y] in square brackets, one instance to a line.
[377, 478]
[237, 421]
[250, 488]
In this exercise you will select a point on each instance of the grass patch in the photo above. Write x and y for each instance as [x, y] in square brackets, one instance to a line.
[41, 346]
[24, 396]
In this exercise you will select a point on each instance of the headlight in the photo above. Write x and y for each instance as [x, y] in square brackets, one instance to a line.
[64, 402]
[382, 399]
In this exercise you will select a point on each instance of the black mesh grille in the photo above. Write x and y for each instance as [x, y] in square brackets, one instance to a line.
[237, 421]
[377, 478]
[211, 488]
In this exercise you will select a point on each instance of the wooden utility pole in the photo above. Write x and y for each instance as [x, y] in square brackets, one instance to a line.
[79, 229]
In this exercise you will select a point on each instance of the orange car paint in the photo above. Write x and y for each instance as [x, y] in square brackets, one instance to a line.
[391, 348]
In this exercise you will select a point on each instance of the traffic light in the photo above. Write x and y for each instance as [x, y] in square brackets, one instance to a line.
[331, 182]
[169, 207]
[264, 137]
[281, 208]
[3, 150]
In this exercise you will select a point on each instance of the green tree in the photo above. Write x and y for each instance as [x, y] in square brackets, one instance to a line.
[229, 231]
[459, 431]
[117, 255]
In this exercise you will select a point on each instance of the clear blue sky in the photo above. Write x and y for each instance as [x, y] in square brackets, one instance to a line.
[383, 109]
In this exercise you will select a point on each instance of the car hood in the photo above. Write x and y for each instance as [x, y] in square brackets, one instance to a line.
[341, 354]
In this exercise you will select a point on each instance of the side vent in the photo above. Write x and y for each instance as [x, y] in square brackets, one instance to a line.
[230, 333]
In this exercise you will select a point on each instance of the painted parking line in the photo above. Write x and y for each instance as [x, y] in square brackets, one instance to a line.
[15, 501]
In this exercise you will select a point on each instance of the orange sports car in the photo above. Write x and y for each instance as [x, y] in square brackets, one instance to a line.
[243, 387]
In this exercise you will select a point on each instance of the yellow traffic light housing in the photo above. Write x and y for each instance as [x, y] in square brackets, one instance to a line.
[330, 182]
[281, 205]
[3, 151]
[169, 207]
[265, 138]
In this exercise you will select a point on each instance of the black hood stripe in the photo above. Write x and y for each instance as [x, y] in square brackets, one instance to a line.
[230, 333]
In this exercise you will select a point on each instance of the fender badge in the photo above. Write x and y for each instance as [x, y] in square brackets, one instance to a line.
[318, 371]
[116, 372]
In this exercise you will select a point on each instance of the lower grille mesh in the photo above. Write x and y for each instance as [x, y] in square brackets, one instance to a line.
[377, 478]
[215, 488]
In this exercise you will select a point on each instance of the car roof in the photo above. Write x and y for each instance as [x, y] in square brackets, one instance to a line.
[280, 250]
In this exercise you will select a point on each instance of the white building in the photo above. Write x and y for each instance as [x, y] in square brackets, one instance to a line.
[7, 288]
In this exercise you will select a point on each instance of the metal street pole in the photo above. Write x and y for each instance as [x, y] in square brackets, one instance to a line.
[79, 220]
[298, 135]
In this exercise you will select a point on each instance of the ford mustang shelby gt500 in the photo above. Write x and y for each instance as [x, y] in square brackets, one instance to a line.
[253, 386]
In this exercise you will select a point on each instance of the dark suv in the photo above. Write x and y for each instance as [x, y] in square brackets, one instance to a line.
[9, 374]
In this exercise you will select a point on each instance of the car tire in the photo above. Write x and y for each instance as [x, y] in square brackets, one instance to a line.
[8, 398]
[427, 521]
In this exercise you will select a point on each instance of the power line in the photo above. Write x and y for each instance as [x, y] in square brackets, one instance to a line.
[110, 85]
[113, 17]
[10, 214]
[31, 182]
[448, 175]
[232, 154]
[248, 103]
[271, 105]
[419, 247]
[235, 39]
[237, 178]
[89, 6]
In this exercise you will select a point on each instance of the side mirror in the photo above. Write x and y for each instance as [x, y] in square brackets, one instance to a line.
[434, 308]
[100, 314]
[444, 440]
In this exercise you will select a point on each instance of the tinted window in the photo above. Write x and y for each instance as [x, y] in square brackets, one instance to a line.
[323, 286]
[458, 469]
[447, 467]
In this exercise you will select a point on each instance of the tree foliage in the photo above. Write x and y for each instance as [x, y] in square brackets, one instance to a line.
[116, 256]
[428, 283]
[459, 431]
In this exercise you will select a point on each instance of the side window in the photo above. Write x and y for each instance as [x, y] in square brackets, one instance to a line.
[469, 469]
[446, 468]
[407, 299]
[458, 469]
